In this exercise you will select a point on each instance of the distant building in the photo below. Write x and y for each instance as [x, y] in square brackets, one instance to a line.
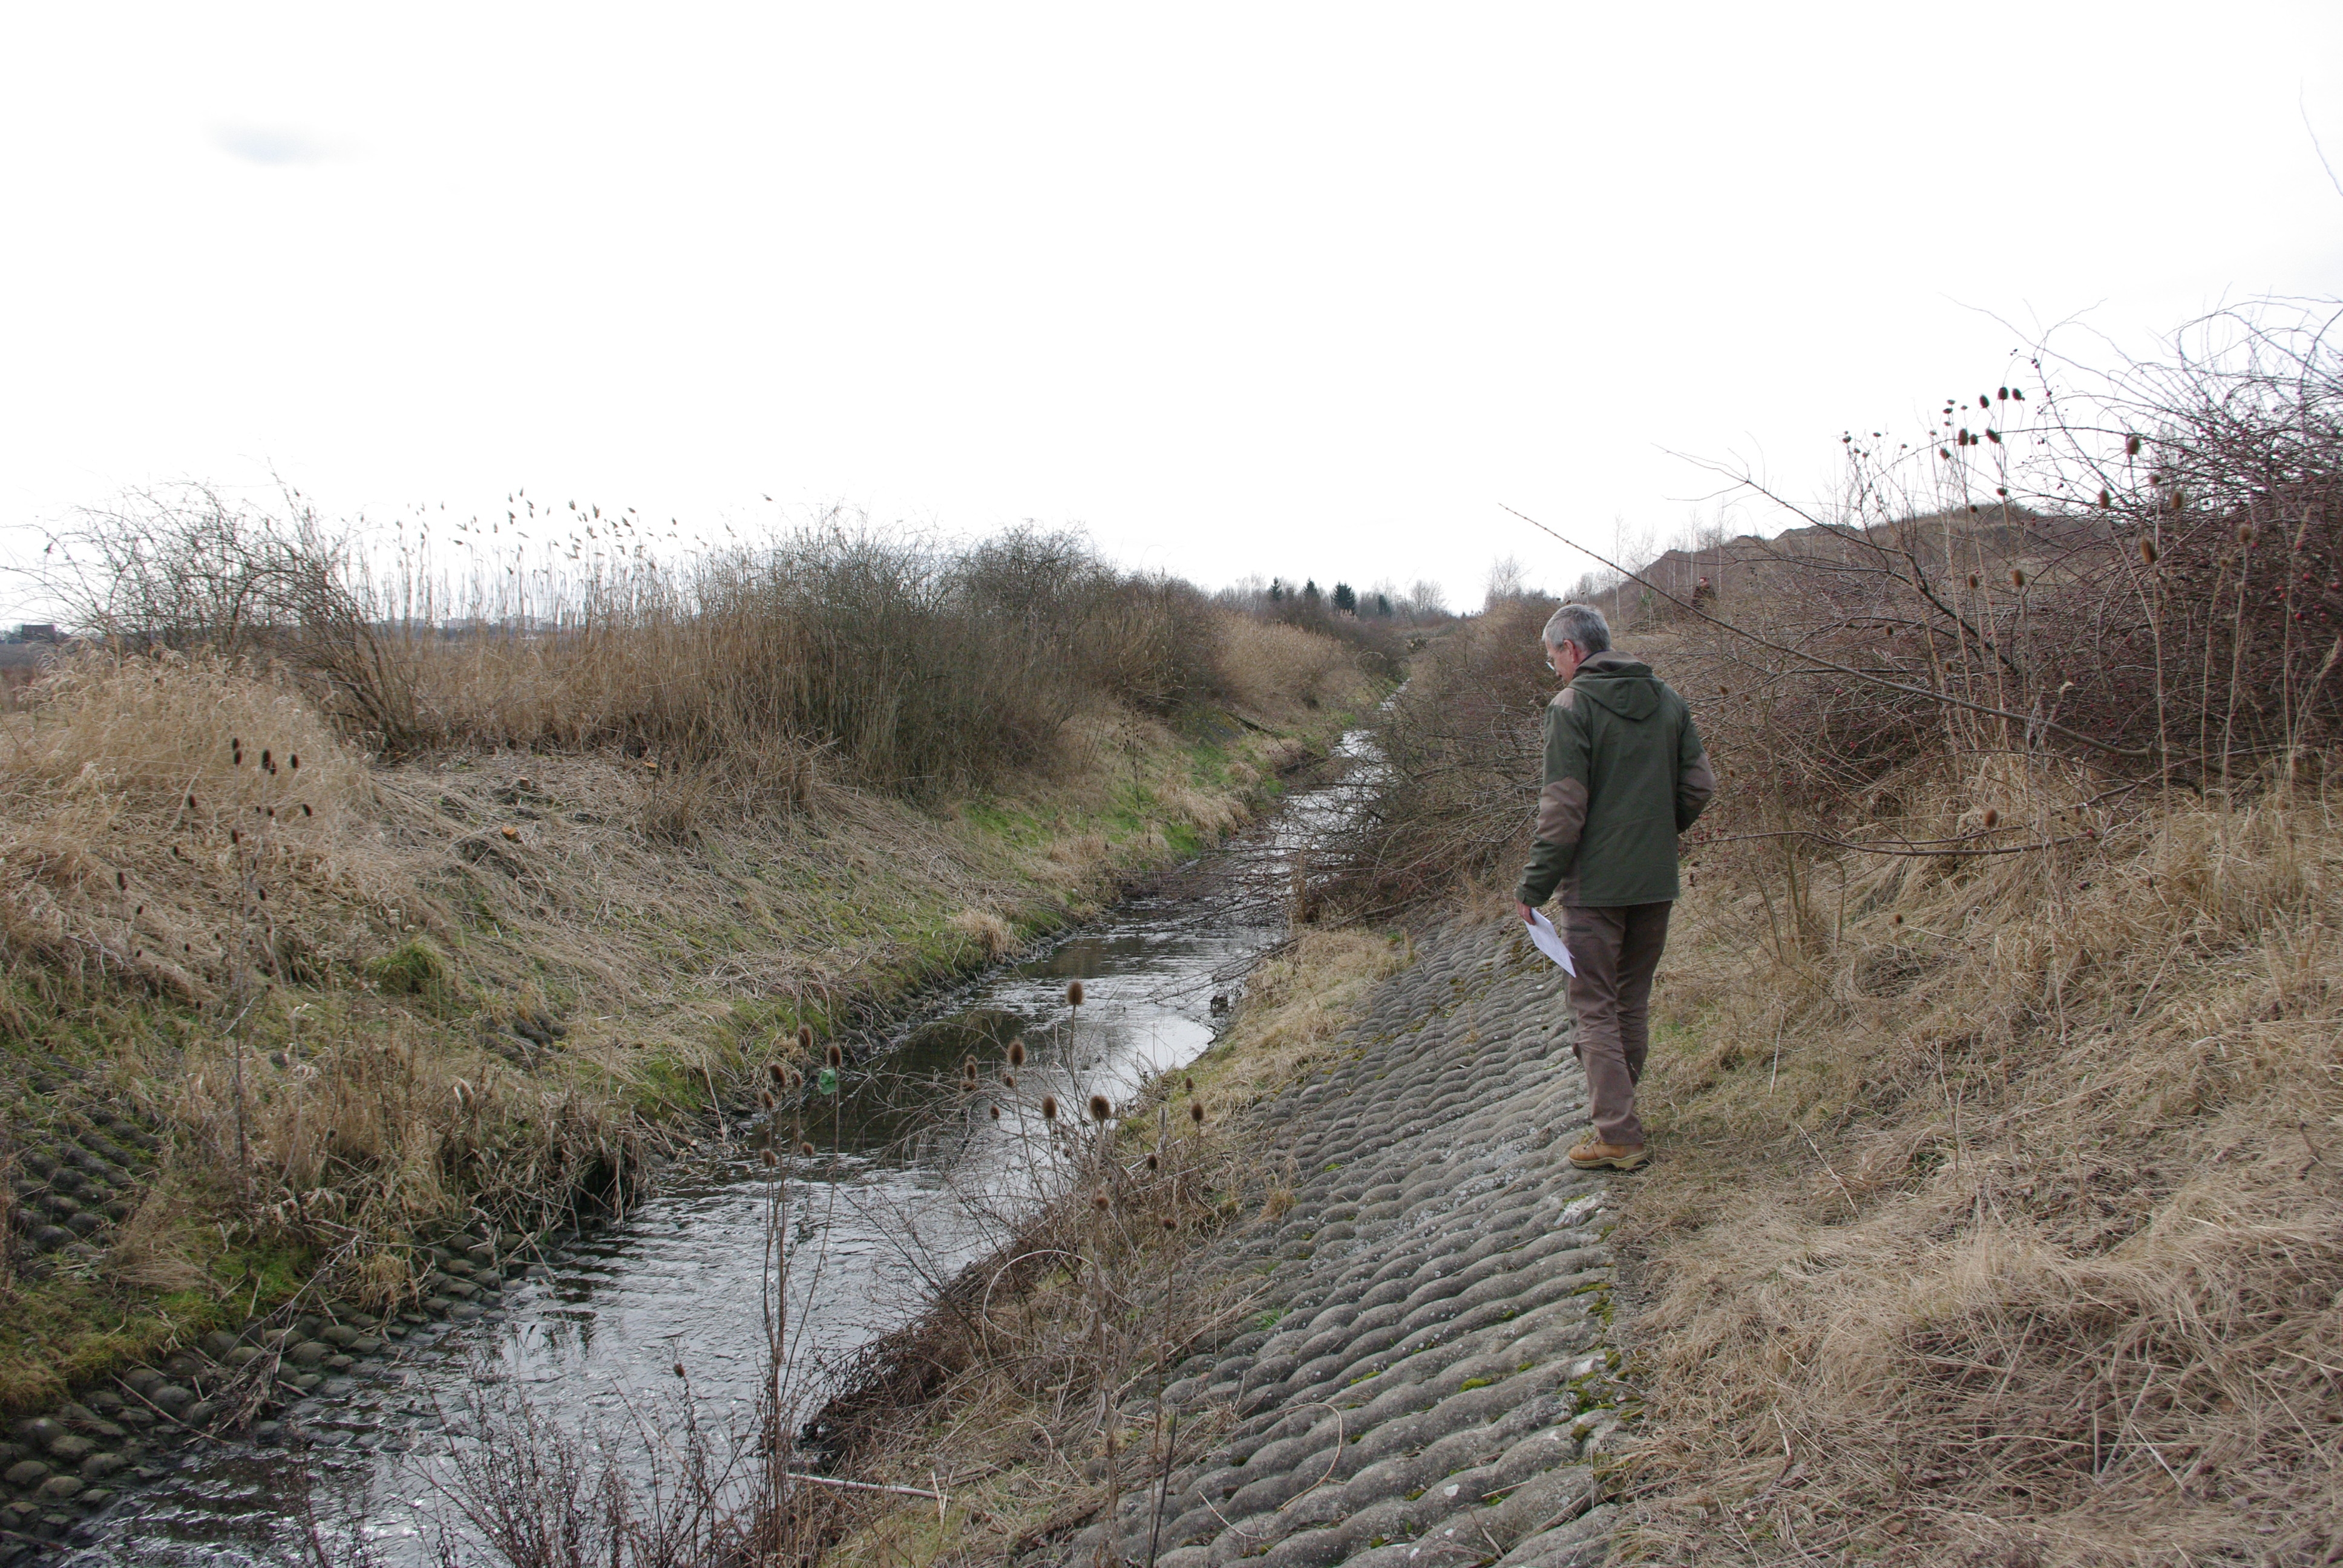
[28, 631]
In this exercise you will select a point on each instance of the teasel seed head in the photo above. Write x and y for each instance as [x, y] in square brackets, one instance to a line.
[1049, 1108]
[1196, 1111]
[1100, 1108]
[805, 1037]
[1983, 401]
[836, 1057]
[122, 881]
[267, 760]
[236, 835]
[679, 1369]
[191, 803]
[996, 1111]
[1098, 1201]
[1991, 818]
[1017, 1051]
[805, 1146]
[765, 1097]
[305, 810]
[2146, 549]
[293, 760]
[1008, 1081]
[2245, 533]
[1973, 577]
[2016, 577]
[771, 1160]
[779, 1074]
[1152, 1162]
[1895, 919]
[1074, 993]
[2131, 446]
[1169, 1224]
[2106, 501]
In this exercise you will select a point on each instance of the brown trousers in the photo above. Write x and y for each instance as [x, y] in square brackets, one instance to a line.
[1615, 950]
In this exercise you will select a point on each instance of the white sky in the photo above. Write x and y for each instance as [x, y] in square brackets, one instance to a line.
[1275, 288]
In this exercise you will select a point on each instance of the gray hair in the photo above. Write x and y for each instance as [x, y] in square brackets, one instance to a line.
[1582, 624]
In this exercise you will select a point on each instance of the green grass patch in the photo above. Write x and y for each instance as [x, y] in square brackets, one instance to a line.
[414, 967]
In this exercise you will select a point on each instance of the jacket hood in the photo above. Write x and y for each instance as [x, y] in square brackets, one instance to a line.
[1625, 686]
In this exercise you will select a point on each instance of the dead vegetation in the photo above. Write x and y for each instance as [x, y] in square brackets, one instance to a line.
[368, 1000]
[1997, 1091]
[921, 666]
[1997, 1215]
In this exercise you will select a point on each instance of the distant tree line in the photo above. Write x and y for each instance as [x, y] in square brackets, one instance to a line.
[1280, 599]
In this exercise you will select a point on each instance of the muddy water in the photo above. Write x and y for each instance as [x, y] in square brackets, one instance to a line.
[910, 1179]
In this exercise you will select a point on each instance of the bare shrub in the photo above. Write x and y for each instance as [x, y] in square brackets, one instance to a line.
[2145, 570]
[1460, 753]
[923, 665]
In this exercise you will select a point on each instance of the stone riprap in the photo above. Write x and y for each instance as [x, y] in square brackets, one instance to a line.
[323, 1384]
[1429, 1380]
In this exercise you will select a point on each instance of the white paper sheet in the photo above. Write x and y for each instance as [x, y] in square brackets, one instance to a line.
[1549, 942]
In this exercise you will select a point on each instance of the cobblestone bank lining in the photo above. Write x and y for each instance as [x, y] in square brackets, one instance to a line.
[1431, 1378]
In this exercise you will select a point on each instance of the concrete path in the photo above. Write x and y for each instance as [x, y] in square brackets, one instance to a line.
[1430, 1379]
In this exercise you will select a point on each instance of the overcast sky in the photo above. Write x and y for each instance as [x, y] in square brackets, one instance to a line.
[1273, 288]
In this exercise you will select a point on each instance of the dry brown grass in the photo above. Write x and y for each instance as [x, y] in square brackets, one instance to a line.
[137, 847]
[987, 931]
[1268, 667]
[1996, 1217]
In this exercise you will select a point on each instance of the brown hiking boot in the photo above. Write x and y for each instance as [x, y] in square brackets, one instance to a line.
[1594, 1154]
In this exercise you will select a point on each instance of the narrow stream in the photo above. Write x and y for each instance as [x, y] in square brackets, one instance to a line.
[889, 1204]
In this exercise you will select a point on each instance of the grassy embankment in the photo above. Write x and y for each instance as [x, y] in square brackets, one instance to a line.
[1995, 1087]
[272, 1026]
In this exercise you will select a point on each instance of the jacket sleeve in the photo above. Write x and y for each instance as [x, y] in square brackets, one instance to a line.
[1695, 783]
[1562, 803]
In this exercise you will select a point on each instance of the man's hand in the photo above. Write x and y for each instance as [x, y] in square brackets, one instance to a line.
[1526, 914]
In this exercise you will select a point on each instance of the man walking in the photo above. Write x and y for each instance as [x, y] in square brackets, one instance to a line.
[1625, 774]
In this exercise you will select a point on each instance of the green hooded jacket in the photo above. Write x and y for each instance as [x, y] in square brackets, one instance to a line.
[1625, 774]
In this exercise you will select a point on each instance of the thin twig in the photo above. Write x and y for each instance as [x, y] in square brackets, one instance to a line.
[866, 1485]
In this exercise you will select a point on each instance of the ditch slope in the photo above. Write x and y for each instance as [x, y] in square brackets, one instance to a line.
[1430, 1379]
